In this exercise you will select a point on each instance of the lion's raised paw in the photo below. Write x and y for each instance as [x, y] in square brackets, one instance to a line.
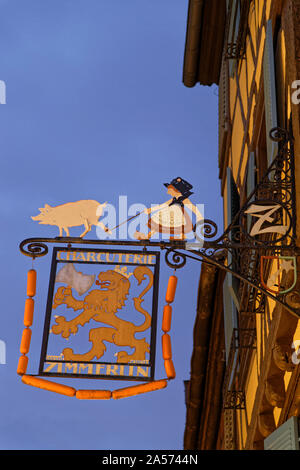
[63, 327]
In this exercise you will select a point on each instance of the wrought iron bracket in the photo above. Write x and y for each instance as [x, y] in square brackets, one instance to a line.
[234, 400]
[246, 241]
[264, 229]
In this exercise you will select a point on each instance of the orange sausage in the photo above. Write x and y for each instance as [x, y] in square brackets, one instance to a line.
[25, 341]
[48, 385]
[170, 369]
[167, 317]
[137, 389]
[166, 346]
[28, 312]
[171, 289]
[93, 394]
[22, 365]
[31, 282]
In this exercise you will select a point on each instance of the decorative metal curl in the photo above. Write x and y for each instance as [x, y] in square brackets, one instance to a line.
[236, 234]
[34, 249]
[208, 229]
[174, 259]
[277, 134]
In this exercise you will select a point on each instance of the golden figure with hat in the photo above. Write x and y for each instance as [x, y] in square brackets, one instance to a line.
[172, 217]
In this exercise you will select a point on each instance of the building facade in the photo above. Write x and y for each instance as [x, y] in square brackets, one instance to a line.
[251, 50]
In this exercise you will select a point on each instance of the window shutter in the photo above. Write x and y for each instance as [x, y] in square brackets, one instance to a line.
[229, 290]
[229, 308]
[232, 34]
[251, 174]
[230, 317]
[250, 183]
[232, 22]
[280, 70]
[233, 206]
[223, 109]
[286, 437]
[270, 92]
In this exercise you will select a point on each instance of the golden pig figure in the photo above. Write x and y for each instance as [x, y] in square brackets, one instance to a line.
[73, 214]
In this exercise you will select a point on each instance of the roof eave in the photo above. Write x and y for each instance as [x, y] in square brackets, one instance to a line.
[204, 42]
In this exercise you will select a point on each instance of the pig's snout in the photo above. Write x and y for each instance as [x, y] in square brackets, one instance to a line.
[37, 217]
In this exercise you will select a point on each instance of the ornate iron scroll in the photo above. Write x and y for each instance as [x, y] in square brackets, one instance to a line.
[33, 248]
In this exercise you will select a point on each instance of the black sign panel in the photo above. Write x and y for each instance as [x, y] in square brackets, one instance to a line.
[101, 314]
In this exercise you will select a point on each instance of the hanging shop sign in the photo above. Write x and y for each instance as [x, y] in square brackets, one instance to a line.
[101, 314]
[100, 322]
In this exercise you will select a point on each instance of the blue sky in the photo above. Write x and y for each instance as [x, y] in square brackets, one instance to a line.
[96, 108]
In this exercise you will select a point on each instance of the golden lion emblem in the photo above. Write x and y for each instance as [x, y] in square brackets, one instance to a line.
[102, 305]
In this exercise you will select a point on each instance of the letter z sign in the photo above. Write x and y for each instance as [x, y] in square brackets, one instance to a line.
[265, 214]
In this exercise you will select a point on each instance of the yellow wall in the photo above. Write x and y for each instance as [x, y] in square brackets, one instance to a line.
[244, 89]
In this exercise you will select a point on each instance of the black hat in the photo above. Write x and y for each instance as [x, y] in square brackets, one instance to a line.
[181, 185]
